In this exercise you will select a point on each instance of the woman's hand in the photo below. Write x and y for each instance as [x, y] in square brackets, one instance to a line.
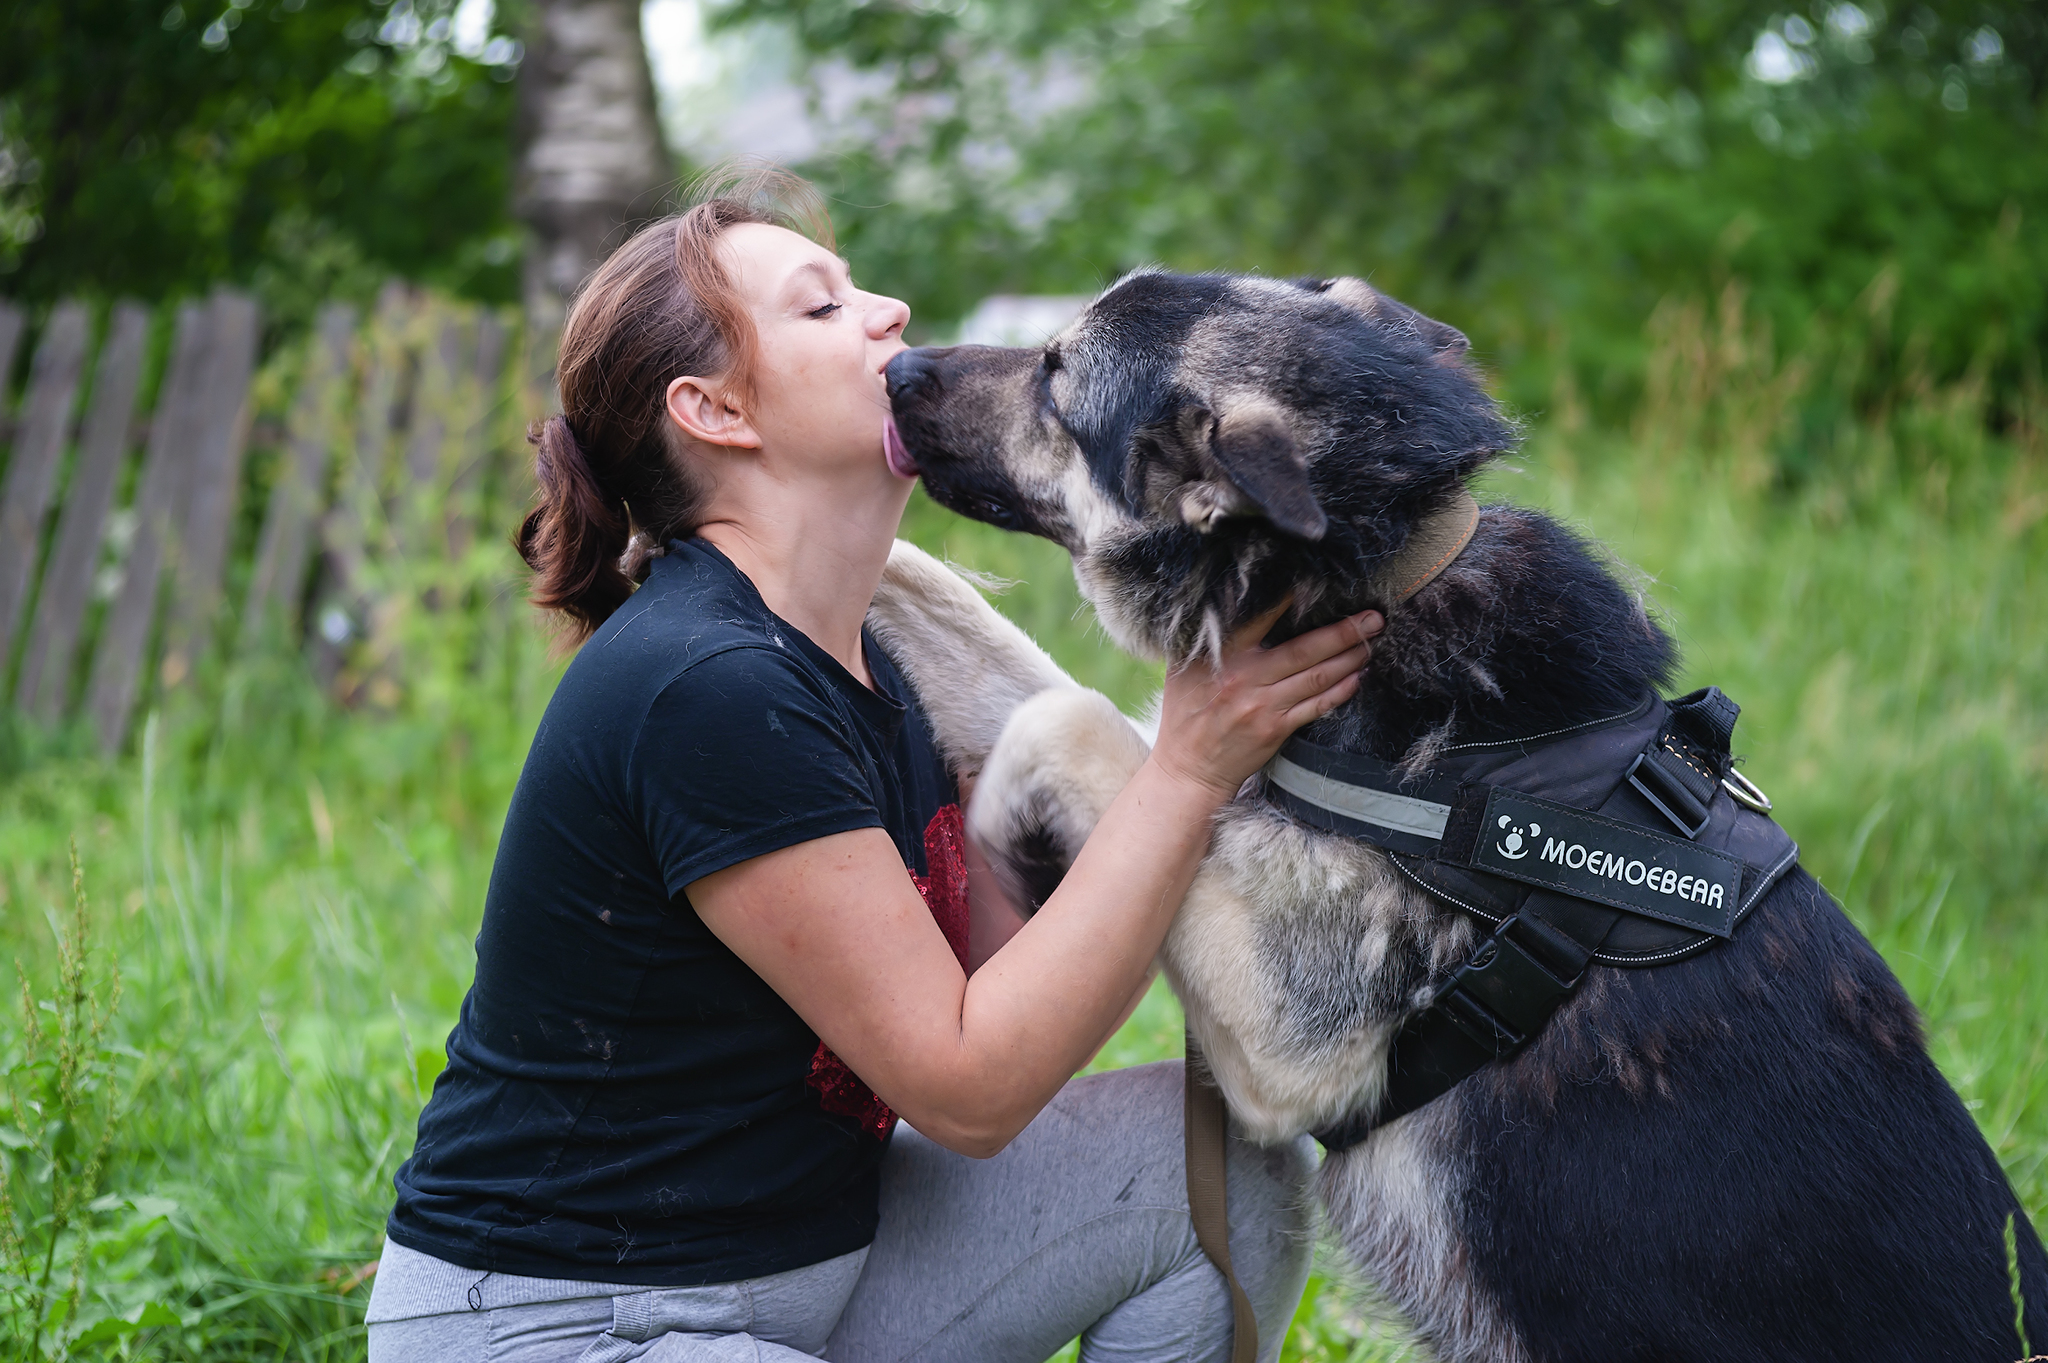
[1218, 725]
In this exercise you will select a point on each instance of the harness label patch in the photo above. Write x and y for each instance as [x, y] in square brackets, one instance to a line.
[1573, 852]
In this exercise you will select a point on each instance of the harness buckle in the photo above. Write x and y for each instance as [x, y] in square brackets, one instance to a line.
[1668, 793]
[1503, 995]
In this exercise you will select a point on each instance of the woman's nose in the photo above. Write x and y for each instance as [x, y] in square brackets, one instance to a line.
[887, 317]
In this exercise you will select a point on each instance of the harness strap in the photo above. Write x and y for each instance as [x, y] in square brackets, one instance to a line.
[1504, 833]
[1207, 1127]
[1491, 1007]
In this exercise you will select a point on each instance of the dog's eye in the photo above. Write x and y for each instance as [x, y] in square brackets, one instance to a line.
[994, 512]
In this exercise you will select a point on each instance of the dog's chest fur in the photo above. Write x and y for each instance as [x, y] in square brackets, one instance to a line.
[1295, 953]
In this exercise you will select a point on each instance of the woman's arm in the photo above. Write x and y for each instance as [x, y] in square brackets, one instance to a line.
[836, 928]
[992, 920]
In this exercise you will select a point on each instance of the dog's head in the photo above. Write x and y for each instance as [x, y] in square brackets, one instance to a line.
[1205, 445]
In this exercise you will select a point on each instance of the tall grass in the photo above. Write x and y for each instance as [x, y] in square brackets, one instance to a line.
[291, 889]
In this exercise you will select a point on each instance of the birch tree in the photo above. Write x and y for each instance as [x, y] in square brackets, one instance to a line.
[591, 157]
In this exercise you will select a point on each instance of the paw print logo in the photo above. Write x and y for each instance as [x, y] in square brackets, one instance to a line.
[1515, 845]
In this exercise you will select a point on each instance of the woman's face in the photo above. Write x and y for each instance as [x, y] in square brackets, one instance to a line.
[820, 398]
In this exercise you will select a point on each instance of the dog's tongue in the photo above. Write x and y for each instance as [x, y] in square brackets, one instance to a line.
[900, 462]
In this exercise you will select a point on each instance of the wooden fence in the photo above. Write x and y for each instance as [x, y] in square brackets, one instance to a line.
[374, 449]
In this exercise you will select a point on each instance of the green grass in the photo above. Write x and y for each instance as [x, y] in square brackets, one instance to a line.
[290, 890]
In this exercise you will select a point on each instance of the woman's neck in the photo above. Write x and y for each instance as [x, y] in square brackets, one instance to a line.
[815, 554]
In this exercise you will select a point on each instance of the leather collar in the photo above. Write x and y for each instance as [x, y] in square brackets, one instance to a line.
[1433, 546]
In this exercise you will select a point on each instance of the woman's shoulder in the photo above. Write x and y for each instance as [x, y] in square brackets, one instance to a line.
[691, 645]
[693, 608]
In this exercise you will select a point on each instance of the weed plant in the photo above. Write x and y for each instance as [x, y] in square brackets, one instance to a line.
[290, 888]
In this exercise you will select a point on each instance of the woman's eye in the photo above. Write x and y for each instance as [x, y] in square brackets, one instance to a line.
[821, 313]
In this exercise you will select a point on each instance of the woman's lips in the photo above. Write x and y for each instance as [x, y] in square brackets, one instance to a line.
[900, 462]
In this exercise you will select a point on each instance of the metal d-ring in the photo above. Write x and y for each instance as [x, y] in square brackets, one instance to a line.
[1746, 791]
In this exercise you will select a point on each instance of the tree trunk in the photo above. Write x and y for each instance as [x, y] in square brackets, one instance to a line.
[591, 159]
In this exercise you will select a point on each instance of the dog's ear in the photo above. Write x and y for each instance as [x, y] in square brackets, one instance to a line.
[1446, 342]
[1253, 467]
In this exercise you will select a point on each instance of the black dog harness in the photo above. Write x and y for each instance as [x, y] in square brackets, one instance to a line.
[1628, 841]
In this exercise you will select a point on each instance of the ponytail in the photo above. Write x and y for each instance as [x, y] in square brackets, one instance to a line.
[575, 538]
[615, 483]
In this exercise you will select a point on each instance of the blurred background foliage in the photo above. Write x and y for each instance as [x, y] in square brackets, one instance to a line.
[308, 148]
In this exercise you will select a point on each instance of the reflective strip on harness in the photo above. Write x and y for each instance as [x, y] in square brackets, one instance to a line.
[1402, 813]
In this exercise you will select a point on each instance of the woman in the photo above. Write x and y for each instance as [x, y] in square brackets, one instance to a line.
[705, 984]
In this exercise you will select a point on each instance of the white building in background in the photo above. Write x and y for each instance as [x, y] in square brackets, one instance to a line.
[1019, 318]
[740, 91]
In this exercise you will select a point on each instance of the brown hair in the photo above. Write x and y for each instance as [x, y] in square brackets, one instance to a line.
[613, 484]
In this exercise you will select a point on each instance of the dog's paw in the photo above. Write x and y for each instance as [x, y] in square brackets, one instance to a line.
[1061, 759]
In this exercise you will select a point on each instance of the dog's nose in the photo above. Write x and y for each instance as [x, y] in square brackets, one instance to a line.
[912, 374]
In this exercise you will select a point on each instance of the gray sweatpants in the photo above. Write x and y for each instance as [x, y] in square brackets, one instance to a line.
[1079, 1228]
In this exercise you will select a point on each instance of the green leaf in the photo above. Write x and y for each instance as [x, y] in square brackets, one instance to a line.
[147, 1316]
[113, 1327]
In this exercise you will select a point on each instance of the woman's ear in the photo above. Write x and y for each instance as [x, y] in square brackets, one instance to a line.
[703, 412]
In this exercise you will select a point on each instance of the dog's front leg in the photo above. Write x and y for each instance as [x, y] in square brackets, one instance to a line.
[1062, 758]
[970, 667]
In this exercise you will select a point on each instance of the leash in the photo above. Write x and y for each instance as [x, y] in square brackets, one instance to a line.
[1208, 1132]
[1435, 543]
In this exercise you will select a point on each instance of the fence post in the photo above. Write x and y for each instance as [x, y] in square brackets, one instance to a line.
[45, 685]
[12, 320]
[214, 483]
[346, 530]
[484, 392]
[279, 577]
[419, 506]
[172, 436]
[38, 447]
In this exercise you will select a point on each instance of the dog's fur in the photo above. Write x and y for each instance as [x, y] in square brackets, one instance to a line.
[1745, 1155]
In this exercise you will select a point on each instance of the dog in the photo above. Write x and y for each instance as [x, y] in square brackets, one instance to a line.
[1743, 1154]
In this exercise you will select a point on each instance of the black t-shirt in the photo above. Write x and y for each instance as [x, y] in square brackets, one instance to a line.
[625, 1100]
